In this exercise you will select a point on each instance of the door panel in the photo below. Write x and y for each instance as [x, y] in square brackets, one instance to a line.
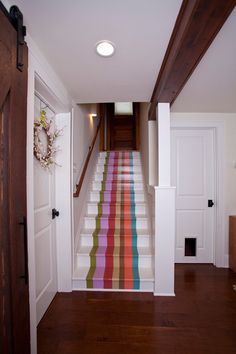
[45, 237]
[193, 176]
[14, 296]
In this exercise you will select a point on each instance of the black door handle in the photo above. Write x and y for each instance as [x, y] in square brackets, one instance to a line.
[26, 274]
[210, 203]
[55, 213]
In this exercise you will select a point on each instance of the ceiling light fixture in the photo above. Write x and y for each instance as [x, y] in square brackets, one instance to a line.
[105, 48]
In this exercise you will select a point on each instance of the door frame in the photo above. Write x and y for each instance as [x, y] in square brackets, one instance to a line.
[199, 121]
[42, 78]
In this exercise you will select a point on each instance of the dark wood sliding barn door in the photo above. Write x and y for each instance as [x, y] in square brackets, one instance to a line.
[14, 297]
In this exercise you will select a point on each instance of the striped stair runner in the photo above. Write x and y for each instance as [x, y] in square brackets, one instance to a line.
[110, 257]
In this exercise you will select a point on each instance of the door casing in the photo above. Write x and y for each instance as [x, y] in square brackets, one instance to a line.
[195, 186]
[199, 121]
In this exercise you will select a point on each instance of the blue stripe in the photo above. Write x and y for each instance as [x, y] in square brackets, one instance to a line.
[136, 279]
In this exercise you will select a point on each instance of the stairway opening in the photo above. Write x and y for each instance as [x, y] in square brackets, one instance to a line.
[120, 127]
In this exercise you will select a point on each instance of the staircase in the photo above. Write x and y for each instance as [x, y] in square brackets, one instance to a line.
[114, 250]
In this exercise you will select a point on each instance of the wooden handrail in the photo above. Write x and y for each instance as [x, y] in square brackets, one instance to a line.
[81, 180]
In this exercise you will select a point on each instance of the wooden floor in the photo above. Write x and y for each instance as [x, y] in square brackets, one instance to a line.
[201, 319]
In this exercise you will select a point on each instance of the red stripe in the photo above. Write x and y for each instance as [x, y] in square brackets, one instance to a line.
[109, 262]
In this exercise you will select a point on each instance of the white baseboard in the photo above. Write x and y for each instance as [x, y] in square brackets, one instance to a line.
[226, 261]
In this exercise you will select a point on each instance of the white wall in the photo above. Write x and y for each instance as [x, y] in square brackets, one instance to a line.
[84, 128]
[229, 157]
[144, 139]
[7, 4]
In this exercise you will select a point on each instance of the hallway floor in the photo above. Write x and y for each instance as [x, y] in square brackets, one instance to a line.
[201, 319]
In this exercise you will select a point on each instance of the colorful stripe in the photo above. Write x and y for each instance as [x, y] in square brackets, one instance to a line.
[114, 255]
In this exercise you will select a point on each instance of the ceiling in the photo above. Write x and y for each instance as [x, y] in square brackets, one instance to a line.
[212, 86]
[67, 31]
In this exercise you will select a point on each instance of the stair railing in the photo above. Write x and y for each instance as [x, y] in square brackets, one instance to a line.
[81, 180]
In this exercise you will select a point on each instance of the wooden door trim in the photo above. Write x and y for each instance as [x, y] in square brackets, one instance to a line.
[197, 25]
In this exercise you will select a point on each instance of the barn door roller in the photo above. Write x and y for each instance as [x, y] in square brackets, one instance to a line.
[17, 21]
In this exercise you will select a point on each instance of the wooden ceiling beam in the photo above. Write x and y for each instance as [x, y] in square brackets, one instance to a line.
[197, 25]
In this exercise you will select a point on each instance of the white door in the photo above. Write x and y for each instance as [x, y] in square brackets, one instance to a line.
[45, 235]
[193, 174]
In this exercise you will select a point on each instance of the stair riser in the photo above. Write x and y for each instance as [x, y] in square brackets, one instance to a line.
[88, 241]
[145, 286]
[134, 154]
[102, 161]
[90, 223]
[85, 261]
[120, 169]
[103, 232]
[98, 186]
[95, 197]
[137, 177]
[92, 209]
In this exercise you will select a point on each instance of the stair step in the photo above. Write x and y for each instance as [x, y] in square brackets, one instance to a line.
[120, 153]
[110, 252]
[118, 163]
[144, 273]
[112, 169]
[146, 279]
[144, 256]
[103, 232]
[112, 161]
[140, 222]
[126, 177]
[92, 208]
[119, 186]
[87, 240]
[95, 196]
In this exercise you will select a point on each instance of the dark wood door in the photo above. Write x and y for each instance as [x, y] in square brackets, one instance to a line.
[122, 129]
[14, 297]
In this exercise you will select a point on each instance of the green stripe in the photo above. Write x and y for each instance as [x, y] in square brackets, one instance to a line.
[89, 278]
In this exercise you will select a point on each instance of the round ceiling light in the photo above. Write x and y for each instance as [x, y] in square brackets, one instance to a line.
[105, 48]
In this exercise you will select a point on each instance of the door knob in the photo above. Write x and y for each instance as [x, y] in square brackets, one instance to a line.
[210, 203]
[55, 213]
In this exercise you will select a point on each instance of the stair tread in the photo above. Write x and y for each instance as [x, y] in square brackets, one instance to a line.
[114, 192]
[140, 233]
[118, 182]
[144, 273]
[101, 251]
[135, 215]
[120, 173]
[112, 217]
[116, 203]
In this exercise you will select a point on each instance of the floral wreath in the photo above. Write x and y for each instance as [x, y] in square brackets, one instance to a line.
[45, 155]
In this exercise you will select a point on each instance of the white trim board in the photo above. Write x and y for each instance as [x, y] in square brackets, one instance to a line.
[41, 73]
[191, 120]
